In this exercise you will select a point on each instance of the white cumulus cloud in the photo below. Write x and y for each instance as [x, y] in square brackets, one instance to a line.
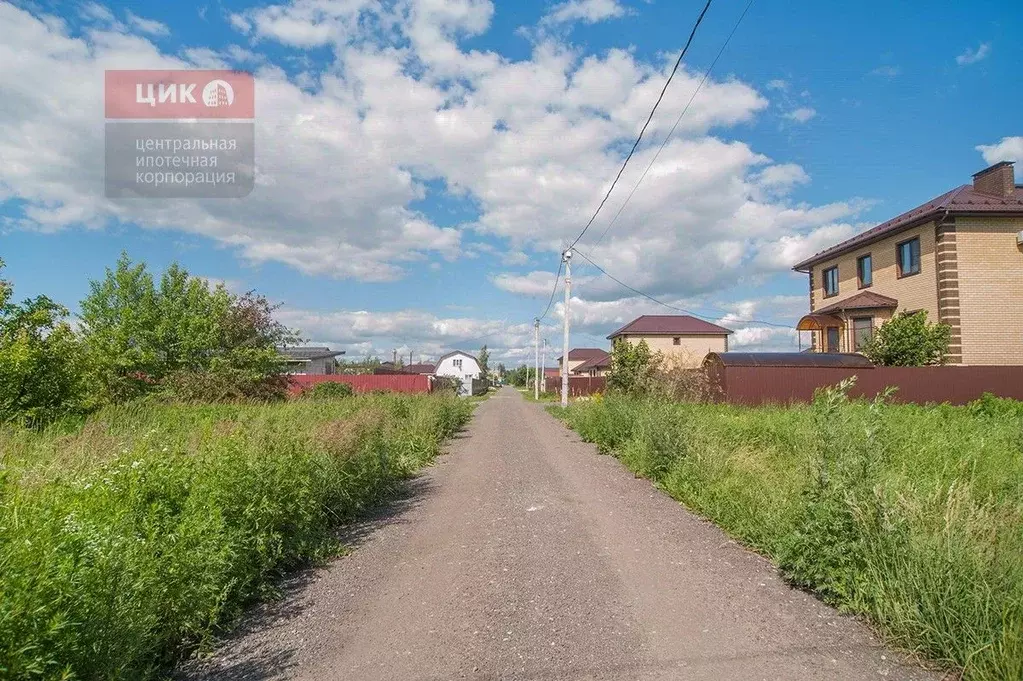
[802, 114]
[972, 56]
[1008, 149]
[588, 11]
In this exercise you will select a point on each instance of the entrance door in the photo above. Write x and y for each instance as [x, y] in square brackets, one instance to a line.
[832, 341]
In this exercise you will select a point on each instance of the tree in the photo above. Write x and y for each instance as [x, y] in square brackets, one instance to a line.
[181, 337]
[120, 323]
[501, 370]
[908, 340]
[630, 366]
[519, 376]
[484, 361]
[40, 377]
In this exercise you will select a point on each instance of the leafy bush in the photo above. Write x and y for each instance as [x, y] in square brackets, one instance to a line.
[330, 390]
[39, 360]
[179, 337]
[131, 539]
[907, 340]
[910, 515]
[630, 367]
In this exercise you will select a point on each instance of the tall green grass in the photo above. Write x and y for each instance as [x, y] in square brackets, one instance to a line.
[909, 515]
[130, 538]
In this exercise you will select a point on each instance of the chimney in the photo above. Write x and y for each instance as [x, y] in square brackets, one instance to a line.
[998, 180]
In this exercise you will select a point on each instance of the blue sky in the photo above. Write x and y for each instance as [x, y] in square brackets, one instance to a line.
[423, 161]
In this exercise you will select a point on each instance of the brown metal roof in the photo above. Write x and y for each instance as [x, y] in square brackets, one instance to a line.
[861, 301]
[584, 354]
[787, 359]
[668, 325]
[595, 363]
[964, 200]
[420, 368]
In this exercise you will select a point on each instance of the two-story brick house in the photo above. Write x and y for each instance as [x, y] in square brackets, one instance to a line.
[687, 338]
[958, 256]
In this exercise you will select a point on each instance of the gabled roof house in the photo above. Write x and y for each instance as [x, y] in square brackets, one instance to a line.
[959, 257]
[578, 356]
[686, 337]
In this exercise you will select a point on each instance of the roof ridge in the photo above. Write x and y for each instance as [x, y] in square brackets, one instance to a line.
[947, 204]
[964, 199]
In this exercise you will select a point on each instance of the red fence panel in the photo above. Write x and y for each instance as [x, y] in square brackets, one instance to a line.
[920, 385]
[577, 385]
[365, 383]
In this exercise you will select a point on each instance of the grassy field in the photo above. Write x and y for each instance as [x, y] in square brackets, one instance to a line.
[131, 538]
[909, 515]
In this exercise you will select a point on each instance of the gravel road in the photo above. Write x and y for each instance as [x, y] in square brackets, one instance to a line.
[524, 555]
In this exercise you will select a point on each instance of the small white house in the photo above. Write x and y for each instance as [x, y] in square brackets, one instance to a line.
[460, 365]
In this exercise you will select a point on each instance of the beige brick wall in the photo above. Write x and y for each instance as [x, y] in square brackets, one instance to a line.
[691, 348]
[990, 289]
[916, 292]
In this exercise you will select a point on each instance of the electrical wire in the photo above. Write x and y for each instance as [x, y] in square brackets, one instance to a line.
[554, 292]
[675, 126]
[678, 62]
[674, 307]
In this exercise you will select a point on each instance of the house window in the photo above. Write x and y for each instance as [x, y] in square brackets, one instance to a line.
[865, 270]
[908, 256]
[863, 329]
[831, 281]
[676, 341]
[457, 363]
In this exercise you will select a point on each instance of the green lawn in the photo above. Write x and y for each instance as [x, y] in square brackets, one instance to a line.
[910, 515]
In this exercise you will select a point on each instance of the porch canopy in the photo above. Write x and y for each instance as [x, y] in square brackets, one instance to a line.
[816, 321]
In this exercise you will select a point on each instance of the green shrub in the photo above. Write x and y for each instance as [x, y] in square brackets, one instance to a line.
[909, 515]
[136, 536]
[908, 340]
[40, 358]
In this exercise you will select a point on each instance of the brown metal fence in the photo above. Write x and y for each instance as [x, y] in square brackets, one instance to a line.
[754, 385]
[364, 383]
[577, 385]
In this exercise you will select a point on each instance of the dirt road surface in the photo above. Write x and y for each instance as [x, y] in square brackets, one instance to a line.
[525, 555]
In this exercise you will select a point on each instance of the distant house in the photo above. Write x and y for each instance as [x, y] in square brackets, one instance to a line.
[598, 366]
[309, 360]
[959, 257]
[421, 369]
[578, 356]
[459, 365]
[689, 338]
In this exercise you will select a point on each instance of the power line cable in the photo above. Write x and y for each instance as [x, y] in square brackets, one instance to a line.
[674, 307]
[554, 292]
[678, 62]
[677, 121]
